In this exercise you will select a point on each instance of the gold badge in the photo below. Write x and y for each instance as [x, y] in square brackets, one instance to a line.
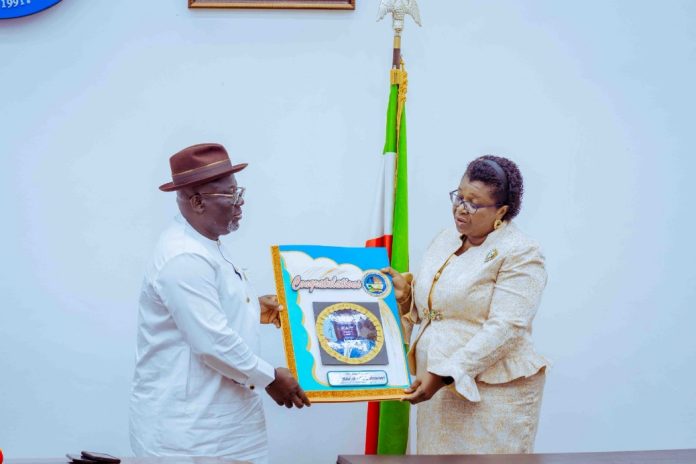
[491, 255]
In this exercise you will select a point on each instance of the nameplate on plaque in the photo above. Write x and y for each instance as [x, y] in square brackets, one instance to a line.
[353, 378]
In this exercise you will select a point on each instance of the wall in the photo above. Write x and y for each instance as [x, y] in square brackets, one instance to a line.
[593, 99]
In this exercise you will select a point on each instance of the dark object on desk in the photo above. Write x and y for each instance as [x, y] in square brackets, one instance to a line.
[100, 457]
[90, 457]
[684, 456]
[78, 459]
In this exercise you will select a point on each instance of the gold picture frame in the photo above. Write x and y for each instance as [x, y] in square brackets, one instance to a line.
[275, 4]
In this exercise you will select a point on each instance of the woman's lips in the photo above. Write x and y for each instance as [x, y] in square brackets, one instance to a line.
[461, 221]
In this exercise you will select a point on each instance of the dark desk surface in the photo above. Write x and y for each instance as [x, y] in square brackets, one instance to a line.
[618, 457]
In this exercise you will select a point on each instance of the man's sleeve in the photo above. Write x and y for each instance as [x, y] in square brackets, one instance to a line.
[187, 288]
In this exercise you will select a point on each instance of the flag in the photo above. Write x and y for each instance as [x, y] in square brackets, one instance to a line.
[387, 421]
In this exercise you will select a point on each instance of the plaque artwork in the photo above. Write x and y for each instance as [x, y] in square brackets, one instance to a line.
[341, 331]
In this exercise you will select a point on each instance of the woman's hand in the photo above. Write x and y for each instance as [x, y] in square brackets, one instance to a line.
[270, 310]
[423, 388]
[402, 288]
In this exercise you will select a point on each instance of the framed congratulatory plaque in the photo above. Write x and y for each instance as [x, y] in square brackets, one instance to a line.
[288, 4]
[341, 331]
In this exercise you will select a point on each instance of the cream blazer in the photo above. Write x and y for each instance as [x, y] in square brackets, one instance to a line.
[476, 309]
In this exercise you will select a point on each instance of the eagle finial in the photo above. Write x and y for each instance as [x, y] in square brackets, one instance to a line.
[399, 9]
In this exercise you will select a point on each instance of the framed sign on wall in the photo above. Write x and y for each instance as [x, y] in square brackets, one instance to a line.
[17, 8]
[278, 4]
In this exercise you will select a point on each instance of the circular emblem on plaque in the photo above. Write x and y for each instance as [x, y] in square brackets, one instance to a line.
[349, 333]
[376, 284]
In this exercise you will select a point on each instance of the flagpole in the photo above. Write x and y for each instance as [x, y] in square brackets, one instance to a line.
[387, 422]
[396, 61]
[399, 10]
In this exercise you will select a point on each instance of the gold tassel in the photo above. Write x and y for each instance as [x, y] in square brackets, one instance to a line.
[400, 78]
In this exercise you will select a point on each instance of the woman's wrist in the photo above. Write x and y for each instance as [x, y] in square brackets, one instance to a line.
[406, 296]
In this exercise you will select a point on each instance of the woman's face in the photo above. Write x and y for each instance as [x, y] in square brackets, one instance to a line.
[475, 210]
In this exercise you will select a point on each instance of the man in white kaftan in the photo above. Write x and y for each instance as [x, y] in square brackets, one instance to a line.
[198, 378]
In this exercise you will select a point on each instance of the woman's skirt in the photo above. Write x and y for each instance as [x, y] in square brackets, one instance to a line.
[503, 422]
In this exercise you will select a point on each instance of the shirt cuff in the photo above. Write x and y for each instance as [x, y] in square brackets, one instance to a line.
[262, 376]
[464, 384]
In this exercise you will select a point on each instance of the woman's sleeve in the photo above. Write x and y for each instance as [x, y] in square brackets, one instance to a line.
[407, 309]
[516, 296]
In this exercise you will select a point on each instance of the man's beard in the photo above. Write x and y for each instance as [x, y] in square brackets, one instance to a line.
[232, 226]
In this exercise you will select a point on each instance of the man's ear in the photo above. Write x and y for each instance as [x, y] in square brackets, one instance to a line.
[196, 202]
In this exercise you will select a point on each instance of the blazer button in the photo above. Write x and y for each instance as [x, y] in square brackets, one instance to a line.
[248, 300]
[251, 387]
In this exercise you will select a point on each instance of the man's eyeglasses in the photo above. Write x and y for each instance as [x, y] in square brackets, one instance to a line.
[237, 196]
[470, 207]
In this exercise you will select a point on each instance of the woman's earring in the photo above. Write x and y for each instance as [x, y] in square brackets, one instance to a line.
[497, 224]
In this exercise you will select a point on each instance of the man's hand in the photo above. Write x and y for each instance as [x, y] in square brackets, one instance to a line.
[270, 310]
[423, 388]
[286, 391]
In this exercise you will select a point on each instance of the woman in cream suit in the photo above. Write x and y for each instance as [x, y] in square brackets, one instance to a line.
[479, 381]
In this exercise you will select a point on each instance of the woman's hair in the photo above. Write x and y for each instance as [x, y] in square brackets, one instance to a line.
[504, 178]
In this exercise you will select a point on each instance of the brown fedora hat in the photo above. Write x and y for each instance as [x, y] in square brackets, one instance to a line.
[199, 164]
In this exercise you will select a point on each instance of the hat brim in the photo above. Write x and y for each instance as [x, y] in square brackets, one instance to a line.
[171, 186]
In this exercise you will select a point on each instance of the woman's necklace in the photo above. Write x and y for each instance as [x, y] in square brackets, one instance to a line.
[431, 313]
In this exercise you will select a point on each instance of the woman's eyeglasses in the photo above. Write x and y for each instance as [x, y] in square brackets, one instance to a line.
[470, 207]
